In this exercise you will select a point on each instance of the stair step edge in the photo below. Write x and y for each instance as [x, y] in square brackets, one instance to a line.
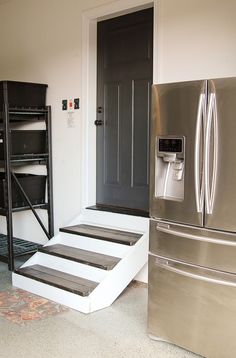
[45, 275]
[102, 233]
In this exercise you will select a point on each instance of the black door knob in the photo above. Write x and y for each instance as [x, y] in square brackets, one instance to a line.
[98, 122]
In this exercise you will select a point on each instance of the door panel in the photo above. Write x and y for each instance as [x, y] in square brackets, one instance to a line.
[224, 197]
[123, 99]
[140, 132]
[111, 133]
[192, 307]
[126, 49]
[193, 245]
[175, 111]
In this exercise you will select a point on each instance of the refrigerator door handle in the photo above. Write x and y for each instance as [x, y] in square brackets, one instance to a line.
[167, 230]
[193, 271]
[198, 172]
[211, 119]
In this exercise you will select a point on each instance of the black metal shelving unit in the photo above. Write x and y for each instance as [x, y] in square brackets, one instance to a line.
[11, 247]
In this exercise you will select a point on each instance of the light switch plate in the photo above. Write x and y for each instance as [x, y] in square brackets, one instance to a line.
[64, 104]
[76, 103]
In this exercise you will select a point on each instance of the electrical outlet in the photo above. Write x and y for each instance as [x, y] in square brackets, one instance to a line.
[76, 103]
[64, 104]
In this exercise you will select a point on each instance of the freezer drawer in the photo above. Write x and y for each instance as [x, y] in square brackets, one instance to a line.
[192, 307]
[208, 248]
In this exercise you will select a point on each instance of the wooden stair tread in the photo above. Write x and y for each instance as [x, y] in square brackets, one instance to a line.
[62, 280]
[102, 261]
[100, 233]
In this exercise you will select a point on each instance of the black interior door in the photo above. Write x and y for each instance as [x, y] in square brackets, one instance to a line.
[125, 67]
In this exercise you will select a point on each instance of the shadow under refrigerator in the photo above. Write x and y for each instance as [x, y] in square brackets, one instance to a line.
[192, 256]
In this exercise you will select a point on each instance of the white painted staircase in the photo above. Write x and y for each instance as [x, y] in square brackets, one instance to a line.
[90, 262]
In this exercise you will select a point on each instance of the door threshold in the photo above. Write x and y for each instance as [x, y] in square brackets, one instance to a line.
[120, 210]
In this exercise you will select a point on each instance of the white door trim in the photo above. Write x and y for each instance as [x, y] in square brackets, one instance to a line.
[89, 84]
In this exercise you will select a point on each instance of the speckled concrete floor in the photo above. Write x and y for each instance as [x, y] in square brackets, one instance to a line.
[117, 331]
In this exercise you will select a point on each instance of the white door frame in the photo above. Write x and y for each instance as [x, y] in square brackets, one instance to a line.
[89, 83]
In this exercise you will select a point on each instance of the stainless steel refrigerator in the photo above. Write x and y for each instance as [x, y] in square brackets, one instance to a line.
[192, 257]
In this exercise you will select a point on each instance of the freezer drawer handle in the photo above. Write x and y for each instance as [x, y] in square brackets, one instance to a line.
[195, 237]
[199, 183]
[171, 266]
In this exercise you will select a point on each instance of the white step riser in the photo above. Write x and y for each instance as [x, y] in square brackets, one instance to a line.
[115, 221]
[72, 267]
[120, 276]
[94, 245]
[65, 298]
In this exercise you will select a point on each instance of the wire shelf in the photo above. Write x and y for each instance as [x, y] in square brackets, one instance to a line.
[21, 247]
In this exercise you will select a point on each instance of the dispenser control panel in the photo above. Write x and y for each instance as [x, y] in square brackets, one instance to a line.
[170, 144]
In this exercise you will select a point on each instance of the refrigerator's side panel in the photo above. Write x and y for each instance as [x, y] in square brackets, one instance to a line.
[220, 178]
[178, 114]
[192, 307]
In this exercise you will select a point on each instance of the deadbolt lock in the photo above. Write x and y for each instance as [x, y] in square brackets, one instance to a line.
[98, 122]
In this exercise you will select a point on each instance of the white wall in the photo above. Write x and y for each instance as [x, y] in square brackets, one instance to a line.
[197, 39]
[41, 41]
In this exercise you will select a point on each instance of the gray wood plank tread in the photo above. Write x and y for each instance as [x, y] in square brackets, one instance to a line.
[101, 261]
[62, 280]
[100, 233]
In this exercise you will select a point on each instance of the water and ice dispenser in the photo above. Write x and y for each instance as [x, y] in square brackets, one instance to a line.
[169, 167]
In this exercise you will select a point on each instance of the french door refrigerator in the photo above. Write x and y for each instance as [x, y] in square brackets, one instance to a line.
[192, 256]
